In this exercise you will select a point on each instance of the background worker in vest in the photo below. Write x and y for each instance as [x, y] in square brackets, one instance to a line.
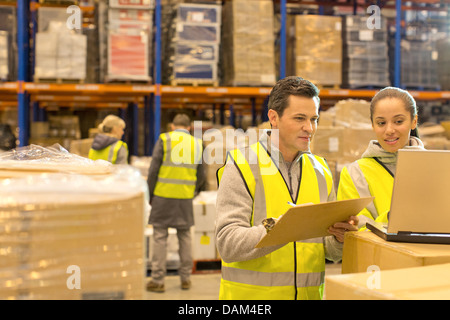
[175, 176]
[247, 197]
[393, 113]
[107, 144]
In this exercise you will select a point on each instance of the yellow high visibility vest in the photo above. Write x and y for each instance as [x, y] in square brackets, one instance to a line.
[378, 182]
[177, 175]
[106, 154]
[295, 271]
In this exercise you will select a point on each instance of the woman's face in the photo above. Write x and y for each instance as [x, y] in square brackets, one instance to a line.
[392, 124]
[118, 132]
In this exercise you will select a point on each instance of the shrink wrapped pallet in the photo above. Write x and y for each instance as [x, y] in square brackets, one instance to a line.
[318, 49]
[70, 236]
[248, 28]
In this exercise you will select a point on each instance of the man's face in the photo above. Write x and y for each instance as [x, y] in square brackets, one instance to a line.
[296, 126]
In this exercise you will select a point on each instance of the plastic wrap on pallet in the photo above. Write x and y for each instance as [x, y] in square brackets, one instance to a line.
[419, 64]
[365, 59]
[205, 71]
[51, 19]
[132, 4]
[60, 55]
[187, 52]
[71, 236]
[318, 49]
[248, 27]
[199, 14]
[128, 57]
[128, 44]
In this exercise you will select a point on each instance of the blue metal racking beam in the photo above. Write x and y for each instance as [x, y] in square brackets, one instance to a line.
[23, 113]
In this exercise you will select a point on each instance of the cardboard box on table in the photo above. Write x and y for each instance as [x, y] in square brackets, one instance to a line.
[364, 249]
[420, 283]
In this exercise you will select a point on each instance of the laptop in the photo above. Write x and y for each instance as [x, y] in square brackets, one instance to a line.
[420, 207]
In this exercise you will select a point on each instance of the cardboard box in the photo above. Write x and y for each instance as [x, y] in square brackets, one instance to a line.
[204, 246]
[364, 249]
[420, 283]
[204, 206]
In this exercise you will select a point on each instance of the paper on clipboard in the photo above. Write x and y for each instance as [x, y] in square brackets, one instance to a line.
[311, 220]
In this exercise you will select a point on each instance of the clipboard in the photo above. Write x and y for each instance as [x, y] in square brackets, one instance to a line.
[311, 220]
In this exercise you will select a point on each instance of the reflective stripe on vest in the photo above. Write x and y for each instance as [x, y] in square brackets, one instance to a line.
[177, 175]
[378, 182]
[297, 269]
[109, 153]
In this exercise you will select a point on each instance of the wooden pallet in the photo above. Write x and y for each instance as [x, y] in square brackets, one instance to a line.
[59, 80]
[194, 82]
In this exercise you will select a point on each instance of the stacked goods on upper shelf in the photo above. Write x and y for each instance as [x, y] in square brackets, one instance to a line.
[248, 42]
[317, 49]
[60, 51]
[126, 40]
[366, 60]
[194, 50]
[8, 43]
[418, 64]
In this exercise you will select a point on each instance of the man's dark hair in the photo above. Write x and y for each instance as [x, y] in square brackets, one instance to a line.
[290, 86]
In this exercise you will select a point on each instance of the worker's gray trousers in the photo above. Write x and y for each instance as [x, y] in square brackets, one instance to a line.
[159, 255]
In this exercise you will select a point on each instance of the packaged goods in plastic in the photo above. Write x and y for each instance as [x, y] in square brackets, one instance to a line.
[4, 68]
[70, 236]
[128, 57]
[136, 4]
[248, 28]
[194, 47]
[128, 43]
[187, 52]
[419, 64]
[317, 42]
[198, 14]
[365, 53]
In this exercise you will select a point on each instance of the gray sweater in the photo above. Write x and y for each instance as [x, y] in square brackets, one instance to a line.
[235, 237]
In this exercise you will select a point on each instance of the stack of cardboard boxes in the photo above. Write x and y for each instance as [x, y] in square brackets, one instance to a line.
[318, 49]
[343, 134]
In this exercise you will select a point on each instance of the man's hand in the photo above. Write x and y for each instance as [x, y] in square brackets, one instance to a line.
[340, 228]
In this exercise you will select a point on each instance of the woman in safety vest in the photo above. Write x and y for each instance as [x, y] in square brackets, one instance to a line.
[393, 113]
[107, 144]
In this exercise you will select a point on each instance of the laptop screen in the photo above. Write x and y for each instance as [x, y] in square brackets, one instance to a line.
[421, 194]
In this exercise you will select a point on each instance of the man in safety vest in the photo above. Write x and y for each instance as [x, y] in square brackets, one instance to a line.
[175, 176]
[256, 184]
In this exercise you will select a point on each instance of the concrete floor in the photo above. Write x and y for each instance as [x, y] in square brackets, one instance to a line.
[205, 286]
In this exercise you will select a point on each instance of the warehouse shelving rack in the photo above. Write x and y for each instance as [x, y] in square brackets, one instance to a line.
[153, 97]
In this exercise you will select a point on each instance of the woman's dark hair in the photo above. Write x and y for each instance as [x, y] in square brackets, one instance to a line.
[290, 86]
[403, 95]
